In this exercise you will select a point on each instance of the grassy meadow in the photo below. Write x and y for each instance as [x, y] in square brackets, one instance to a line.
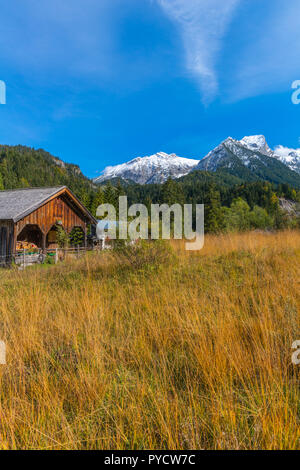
[155, 349]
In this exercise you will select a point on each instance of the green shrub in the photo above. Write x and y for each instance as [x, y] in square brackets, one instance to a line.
[145, 254]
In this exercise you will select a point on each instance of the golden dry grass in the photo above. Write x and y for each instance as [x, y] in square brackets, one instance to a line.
[181, 352]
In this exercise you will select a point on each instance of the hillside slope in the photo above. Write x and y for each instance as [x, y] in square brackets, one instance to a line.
[22, 166]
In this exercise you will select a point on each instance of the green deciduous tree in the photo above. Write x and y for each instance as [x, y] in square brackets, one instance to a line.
[237, 218]
[260, 219]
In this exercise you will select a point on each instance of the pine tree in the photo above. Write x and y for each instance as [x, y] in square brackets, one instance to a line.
[97, 200]
[61, 237]
[76, 236]
[212, 211]
[110, 195]
[172, 193]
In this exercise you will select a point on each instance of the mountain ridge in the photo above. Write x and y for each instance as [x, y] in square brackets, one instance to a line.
[155, 168]
[250, 159]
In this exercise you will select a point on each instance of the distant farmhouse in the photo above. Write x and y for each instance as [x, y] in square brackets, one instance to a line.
[32, 215]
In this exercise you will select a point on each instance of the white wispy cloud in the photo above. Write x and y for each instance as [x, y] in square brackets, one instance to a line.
[203, 24]
[285, 151]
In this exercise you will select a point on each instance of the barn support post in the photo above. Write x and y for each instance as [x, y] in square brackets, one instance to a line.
[85, 236]
[14, 246]
[44, 238]
[6, 242]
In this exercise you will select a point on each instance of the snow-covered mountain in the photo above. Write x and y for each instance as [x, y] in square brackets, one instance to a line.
[251, 158]
[257, 145]
[246, 151]
[156, 168]
[290, 157]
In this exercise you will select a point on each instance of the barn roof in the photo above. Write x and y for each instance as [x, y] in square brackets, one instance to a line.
[17, 203]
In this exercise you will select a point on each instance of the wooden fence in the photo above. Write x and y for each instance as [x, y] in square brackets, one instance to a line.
[24, 258]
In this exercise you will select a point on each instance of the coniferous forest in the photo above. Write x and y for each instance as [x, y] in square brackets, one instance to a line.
[231, 203]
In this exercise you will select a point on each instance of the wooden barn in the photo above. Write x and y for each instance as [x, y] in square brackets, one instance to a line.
[32, 215]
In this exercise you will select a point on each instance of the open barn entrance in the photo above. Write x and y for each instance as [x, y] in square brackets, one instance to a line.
[51, 240]
[31, 234]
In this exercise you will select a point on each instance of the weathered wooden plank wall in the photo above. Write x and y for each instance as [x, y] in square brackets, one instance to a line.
[6, 240]
[56, 210]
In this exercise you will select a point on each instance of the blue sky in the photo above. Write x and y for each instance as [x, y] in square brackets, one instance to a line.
[99, 82]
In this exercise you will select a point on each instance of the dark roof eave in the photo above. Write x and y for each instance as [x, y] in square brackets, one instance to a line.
[87, 212]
